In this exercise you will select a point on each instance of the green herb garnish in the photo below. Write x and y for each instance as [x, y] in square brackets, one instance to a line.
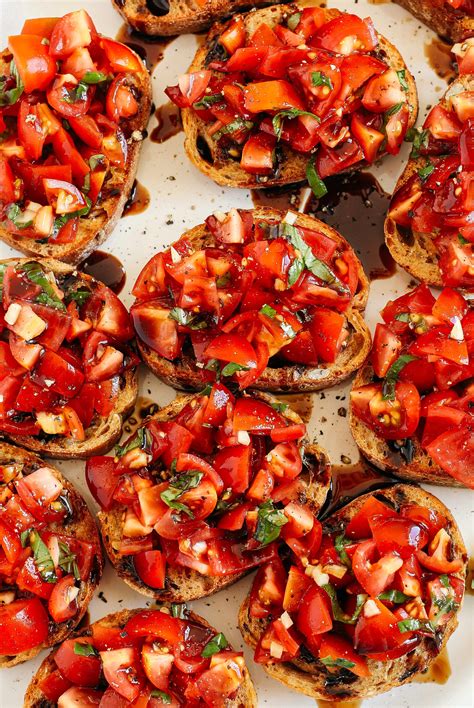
[161, 695]
[402, 79]
[291, 113]
[339, 663]
[84, 649]
[10, 96]
[42, 557]
[269, 523]
[337, 611]
[293, 21]
[141, 439]
[268, 311]
[215, 645]
[314, 180]
[230, 368]
[396, 596]
[320, 79]
[177, 487]
[207, 101]
[186, 318]
[391, 378]
[36, 275]
[308, 260]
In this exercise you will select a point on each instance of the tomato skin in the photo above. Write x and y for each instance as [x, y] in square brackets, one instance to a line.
[101, 480]
[379, 633]
[368, 404]
[121, 57]
[336, 647]
[374, 576]
[54, 685]
[82, 670]
[30, 130]
[385, 349]
[151, 568]
[25, 624]
[33, 61]
[255, 416]
[73, 31]
[314, 615]
[157, 624]
[120, 101]
[7, 191]
[397, 534]
[359, 526]
[60, 607]
[233, 465]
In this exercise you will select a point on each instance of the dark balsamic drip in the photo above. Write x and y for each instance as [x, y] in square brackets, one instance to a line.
[106, 268]
[440, 59]
[151, 50]
[138, 200]
[169, 123]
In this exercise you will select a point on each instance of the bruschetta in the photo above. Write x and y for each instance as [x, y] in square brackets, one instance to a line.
[206, 490]
[284, 94]
[270, 300]
[451, 19]
[144, 657]
[73, 110]
[429, 229]
[411, 405]
[67, 365]
[366, 608]
[50, 557]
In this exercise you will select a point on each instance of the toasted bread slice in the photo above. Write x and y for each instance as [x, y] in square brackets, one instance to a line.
[183, 584]
[81, 525]
[442, 18]
[421, 468]
[184, 374]
[104, 432]
[311, 678]
[183, 16]
[97, 226]
[228, 172]
[35, 698]
[415, 251]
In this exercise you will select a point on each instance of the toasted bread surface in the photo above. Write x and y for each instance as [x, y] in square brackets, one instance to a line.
[311, 677]
[421, 468]
[35, 698]
[185, 375]
[228, 172]
[81, 526]
[184, 584]
[442, 18]
[415, 251]
[102, 435]
[97, 226]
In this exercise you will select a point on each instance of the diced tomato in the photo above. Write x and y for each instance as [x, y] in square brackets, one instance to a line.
[275, 95]
[359, 527]
[53, 685]
[151, 567]
[378, 634]
[33, 61]
[334, 647]
[121, 57]
[75, 667]
[60, 605]
[391, 419]
[25, 625]
[374, 575]
[314, 616]
[101, 480]
[398, 535]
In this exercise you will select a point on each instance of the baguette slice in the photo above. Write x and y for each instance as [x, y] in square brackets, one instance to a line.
[104, 432]
[422, 467]
[81, 526]
[310, 678]
[35, 698]
[454, 25]
[184, 15]
[293, 165]
[184, 374]
[183, 584]
[416, 252]
[97, 226]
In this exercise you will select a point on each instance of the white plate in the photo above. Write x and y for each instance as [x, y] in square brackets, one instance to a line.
[180, 198]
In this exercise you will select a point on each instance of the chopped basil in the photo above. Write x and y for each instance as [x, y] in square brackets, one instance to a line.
[320, 79]
[141, 439]
[293, 21]
[96, 160]
[186, 319]
[294, 271]
[403, 317]
[42, 557]
[223, 280]
[308, 260]
[396, 596]
[339, 663]
[35, 273]
[178, 610]
[215, 645]
[337, 611]
[177, 487]
[230, 368]
[268, 311]
[206, 390]
[463, 241]
[419, 138]
[444, 580]
[402, 79]
[279, 407]
[394, 109]
[317, 185]
[3, 267]
[207, 101]
[161, 695]
[17, 216]
[60, 221]
[291, 113]
[391, 378]
[233, 127]
[84, 649]
[67, 560]
[94, 77]
[79, 296]
[340, 543]
[75, 94]
[25, 537]
[411, 624]
[10, 96]
[269, 523]
[424, 172]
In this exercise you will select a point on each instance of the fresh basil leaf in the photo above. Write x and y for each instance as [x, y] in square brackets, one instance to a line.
[391, 378]
[340, 543]
[463, 241]
[419, 138]
[336, 663]
[402, 79]
[233, 127]
[42, 558]
[223, 280]
[141, 439]
[161, 695]
[411, 624]
[10, 96]
[268, 311]
[294, 271]
[35, 273]
[320, 79]
[16, 215]
[444, 580]
[396, 596]
[84, 649]
[94, 77]
[25, 537]
[394, 109]
[424, 172]
[317, 185]
[293, 21]
[178, 610]
[96, 160]
[79, 296]
[60, 221]
[337, 611]
[67, 560]
[269, 523]
[179, 485]
[208, 100]
[279, 407]
[215, 645]
[230, 368]
[186, 318]
[309, 260]
[75, 94]
[291, 113]
[403, 317]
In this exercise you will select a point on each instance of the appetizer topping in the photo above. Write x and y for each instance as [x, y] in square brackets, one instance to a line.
[64, 100]
[266, 293]
[438, 199]
[156, 658]
[422, 391]
[42, 568]
[317, 85]
[63, 351]
[392, 594]
[195, 497]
